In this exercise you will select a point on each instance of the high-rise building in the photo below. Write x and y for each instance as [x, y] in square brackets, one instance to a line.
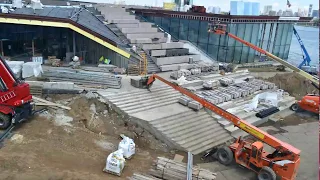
[315, 13]
[279, 13]
[255, 8]
[214, 9]
[310, 10]
[236, 7]
[244, 8]
[287, 12]
[247, 8]
[272, 13]
[267, 9]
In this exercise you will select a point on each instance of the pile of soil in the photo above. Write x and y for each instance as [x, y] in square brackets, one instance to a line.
[294, 84]
[41, 149]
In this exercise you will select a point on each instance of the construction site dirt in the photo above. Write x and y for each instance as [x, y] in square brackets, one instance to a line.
[74, 144]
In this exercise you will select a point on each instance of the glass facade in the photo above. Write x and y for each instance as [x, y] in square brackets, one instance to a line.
[273, 37]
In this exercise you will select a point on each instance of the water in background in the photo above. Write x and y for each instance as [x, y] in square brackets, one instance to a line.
[310, 39]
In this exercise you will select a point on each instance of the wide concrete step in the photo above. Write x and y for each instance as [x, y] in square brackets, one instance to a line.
[119, 16]
[169, 124]
[199, 148]
[180, 131]
[128, 25]
[138, 30]
[166, 127]
[134, 103]
[145, 35]
[124, 21]
[164, 103]
[123, 95]
[205, 139]
[197, 134]
[142, 96]
[155, 122]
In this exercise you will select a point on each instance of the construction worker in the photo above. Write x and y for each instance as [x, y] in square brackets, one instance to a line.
[104, 60]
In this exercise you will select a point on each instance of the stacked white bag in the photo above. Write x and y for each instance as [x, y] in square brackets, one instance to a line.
[127, 146]
[115, 163]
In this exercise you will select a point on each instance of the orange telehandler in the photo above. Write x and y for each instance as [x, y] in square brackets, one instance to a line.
[309, 102]
[283, 162]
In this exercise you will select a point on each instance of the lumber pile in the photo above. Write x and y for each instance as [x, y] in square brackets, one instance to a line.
[142, 177]
[171, 170]
[43, 102]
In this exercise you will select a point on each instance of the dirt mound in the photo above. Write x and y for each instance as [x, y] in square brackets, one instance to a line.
[293, 83]
[99, 118]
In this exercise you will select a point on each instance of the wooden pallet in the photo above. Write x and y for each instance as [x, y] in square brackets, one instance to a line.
[36, 91]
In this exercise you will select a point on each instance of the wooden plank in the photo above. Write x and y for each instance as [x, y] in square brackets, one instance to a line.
[48, 103]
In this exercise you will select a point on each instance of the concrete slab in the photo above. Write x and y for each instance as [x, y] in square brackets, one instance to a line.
[141, 41]
[125, 21]
[176, 59]
[145, 35]
[158, 53]
[145, 25]
[172, 45]
[131, 25]
[138, 30]
[175, 67]
[151, 46]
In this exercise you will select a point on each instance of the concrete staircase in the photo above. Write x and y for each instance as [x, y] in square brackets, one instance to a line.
[160, 113]
[162, 56]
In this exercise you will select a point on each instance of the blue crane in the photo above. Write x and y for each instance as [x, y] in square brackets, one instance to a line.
[306, 58]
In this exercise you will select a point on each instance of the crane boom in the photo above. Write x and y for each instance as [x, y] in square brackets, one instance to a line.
[308, 76]
[306, 58]
[241, 124]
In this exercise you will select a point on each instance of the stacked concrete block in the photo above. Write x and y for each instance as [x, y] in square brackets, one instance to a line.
[210, 84]
[177, 74]
[175, 59]
[184, 100]
[195, 105]
[196, 71]
[233, 93]
[240, 90]
[226, 81]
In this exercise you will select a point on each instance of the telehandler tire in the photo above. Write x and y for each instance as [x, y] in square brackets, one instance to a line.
[5, 121]
[266, 173]
[225, 155]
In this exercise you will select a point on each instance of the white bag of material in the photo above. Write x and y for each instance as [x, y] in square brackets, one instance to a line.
[115, 163]
[127, 146]
[30, 69]
[15, 66]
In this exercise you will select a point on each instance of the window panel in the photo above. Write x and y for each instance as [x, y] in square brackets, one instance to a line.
[184, 26]
[193, 31]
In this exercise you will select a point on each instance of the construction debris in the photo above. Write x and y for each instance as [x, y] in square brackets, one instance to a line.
[168, 169]
[84, 78]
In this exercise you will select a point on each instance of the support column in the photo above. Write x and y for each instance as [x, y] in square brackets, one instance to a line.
[32, 47]
[74, 43]
[1, 44]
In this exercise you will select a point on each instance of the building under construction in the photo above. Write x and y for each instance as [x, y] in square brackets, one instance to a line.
[90, 32]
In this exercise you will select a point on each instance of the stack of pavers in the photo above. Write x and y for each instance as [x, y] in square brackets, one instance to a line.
[84, 78]
[225, 94]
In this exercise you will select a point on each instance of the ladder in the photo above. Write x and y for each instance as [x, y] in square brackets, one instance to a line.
[143, 65]
[7, 96]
